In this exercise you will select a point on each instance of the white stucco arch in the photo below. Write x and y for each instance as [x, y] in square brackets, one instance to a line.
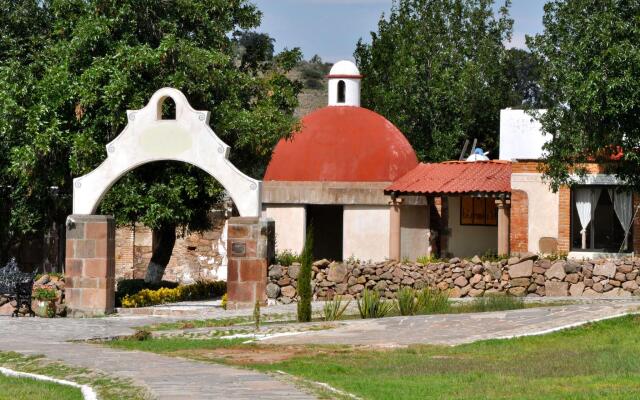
[148, 138]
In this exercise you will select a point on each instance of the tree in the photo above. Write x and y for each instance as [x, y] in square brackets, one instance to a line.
[256, 49]
[66, 96]
[435, 69]
[522, 71]
[304, 279]
[591, 80]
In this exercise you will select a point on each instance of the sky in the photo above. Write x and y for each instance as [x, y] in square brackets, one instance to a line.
[331, 28]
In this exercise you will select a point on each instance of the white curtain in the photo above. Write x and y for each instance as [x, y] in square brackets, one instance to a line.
[586, 200]
[623, 208]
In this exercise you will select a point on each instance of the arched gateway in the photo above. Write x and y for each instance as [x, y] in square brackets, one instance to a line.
[90, 250]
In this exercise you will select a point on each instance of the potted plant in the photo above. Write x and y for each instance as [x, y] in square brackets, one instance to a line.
[45, 302]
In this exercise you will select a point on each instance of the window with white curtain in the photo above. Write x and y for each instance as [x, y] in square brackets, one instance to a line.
[600, 218]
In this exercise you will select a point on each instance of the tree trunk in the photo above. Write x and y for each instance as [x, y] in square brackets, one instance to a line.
[163, 241]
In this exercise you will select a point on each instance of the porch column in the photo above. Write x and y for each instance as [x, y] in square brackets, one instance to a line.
[394, 229]
[504, 214]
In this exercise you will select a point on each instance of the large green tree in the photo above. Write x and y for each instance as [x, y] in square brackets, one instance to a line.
[69, 70]
[591, 80]
[435, 69]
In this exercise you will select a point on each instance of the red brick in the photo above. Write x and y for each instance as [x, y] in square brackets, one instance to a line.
[73, 267]
[239, 231]
[253, 270]
[96, 230]
[564, 219]
[95, 268]
[102, 248]
[519, 222]
[240, 292]
[232, 270]
[69, 248]
[85, 249]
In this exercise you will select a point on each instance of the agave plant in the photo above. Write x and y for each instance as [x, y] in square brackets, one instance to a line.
[407, 302]
[371, 305]
[433, 301]
[333, 309]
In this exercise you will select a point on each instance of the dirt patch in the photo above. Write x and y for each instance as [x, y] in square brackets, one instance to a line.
[253, 354]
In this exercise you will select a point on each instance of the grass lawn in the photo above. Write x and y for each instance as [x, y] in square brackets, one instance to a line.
[24, 388]
[600, 360]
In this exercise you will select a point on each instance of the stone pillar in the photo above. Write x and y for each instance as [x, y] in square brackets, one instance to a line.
[394, 230]
[250, 249]
[503, 225]
[90, 265]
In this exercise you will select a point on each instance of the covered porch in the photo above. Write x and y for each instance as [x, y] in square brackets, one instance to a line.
[469, 207]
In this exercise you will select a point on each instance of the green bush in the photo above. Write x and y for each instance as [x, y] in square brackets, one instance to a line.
[407, 302]
[304, 279]
[371, 305]
[200, 290]
[286, 258]
[44, 294]
[128, 287]
[428, 260]
[333, 309]
[495, 303]
[433, 301]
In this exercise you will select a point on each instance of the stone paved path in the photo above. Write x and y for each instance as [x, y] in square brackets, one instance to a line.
[164, 377]
[453, 329]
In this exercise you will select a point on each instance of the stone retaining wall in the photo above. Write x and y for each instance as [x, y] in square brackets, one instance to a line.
[518, 276]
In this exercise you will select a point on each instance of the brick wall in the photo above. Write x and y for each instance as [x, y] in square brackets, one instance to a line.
[519, 224]
[564, 219]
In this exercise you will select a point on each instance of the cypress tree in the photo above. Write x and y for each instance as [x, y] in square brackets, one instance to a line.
[304, 279]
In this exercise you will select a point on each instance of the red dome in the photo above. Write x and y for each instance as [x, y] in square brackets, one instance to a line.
[349, 144]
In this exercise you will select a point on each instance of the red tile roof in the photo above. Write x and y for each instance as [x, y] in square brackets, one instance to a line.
[456, 177]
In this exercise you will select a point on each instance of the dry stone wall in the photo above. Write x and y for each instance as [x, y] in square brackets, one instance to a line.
[195, 254]
[518, 276]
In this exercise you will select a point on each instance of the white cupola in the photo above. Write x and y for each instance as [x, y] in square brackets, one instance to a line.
[344, 84]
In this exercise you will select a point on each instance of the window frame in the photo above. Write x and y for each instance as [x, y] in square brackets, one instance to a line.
[572, 221]
[491, 200]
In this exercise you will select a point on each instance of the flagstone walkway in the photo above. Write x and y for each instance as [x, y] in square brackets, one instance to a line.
[164, 377]
[175, 378]
[454, 329]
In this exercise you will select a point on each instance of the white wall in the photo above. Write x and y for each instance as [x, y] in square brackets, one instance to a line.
[469, 240]
[366, 232]
[543, 207]
[290, 225]
[520, 136]
[351, 95]
[414, 232]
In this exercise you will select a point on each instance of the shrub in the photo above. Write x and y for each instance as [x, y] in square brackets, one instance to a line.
[225, 301]
[333, 309]
[371, 305]
[286, 258]
[428, 260]
[304, 279]
[128, 287]
[44, 294]
[496, 303]
[407, 302]
[256, 314]
[433, 301]
[200, 290]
